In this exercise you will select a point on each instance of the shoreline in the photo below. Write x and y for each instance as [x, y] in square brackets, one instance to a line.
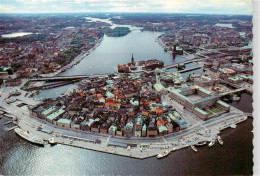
[75, 61]
[132, 153]
[78, 138]
[160, 42]
[171, 142]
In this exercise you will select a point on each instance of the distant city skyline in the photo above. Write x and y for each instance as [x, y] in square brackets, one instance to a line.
[229, 7]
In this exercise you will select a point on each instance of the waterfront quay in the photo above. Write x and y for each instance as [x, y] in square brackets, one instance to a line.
[198, 123]
[142, 147]
[135, 115]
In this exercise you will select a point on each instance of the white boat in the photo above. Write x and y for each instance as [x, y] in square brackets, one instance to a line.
[235, 98]
[52, 141]
[201, 143]
[29, 136]
[164, 154]
[220, 141]
[233, 126]
[212, 143]
[194, 148]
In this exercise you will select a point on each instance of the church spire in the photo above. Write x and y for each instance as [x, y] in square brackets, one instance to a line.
[132, 59]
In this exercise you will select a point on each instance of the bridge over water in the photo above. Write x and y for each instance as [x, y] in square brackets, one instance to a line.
[233, 91]
[67, 78]
[249, 114]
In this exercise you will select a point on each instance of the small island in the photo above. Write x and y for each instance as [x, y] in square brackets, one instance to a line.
[118, 32]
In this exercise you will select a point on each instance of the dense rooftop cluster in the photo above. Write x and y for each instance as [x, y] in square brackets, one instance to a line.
[234, 66]
[192, 37]
[123, 105]
[191, 32]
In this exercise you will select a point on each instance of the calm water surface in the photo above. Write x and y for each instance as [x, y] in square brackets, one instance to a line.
[16, 34]
[118, 50]
[224, 25]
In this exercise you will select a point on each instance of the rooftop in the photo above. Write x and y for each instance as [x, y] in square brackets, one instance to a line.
[200, 111]
[66, 121]
[55, 114]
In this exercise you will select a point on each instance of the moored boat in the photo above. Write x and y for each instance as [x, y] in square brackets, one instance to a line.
[212, 143]
[220, 141]
[201, 143]
[194, 148]
[164, 154]
[29, 136]
[235, 98]
[52, 141]
[233, 126]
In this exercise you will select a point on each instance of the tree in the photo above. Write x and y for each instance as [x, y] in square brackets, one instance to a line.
[10, 71]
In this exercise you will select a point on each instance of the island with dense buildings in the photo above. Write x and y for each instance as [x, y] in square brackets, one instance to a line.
[143, 109]
[125, 104]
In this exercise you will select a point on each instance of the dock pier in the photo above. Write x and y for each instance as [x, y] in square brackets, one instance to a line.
[8, 122]
[11, 128]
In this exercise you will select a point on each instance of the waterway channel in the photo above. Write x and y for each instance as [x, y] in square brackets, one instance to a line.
[118, 50]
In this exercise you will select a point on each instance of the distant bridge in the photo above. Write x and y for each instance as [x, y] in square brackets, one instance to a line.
[79, 77]
[189, 69]
[233, 91]
[249, 114]
[67, 78]
[184, 62]
[50, 86]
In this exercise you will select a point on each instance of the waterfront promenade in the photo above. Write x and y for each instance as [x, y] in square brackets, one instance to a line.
[145, 147]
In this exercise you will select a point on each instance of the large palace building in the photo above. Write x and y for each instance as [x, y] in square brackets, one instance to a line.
[199, 101]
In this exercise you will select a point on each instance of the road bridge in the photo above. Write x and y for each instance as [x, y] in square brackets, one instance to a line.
[189, 69]
[248, 114]
[50, 86]
[73, 77]
[67, 78]
[232, 92]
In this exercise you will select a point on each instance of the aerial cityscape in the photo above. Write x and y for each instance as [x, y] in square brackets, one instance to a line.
[127, 92]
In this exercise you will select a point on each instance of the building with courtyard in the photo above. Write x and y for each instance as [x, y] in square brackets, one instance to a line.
[203, 103]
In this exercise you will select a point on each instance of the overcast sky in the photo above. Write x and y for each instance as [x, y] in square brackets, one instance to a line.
[161, 6]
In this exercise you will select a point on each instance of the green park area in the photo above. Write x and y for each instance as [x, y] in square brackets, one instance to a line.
[215, 109]
[207, 111]
[118, 32]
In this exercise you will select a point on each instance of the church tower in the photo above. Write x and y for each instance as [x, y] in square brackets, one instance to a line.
[132, 59]
[158, 81]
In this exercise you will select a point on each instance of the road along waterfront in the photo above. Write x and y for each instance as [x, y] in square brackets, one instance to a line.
[190, 136]
[234, 157]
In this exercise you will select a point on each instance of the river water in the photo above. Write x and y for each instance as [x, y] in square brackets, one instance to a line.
[18, 157]
[17, 34]
[118, 50]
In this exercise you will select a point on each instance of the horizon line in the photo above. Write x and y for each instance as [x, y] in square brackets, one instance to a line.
[128, 13]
